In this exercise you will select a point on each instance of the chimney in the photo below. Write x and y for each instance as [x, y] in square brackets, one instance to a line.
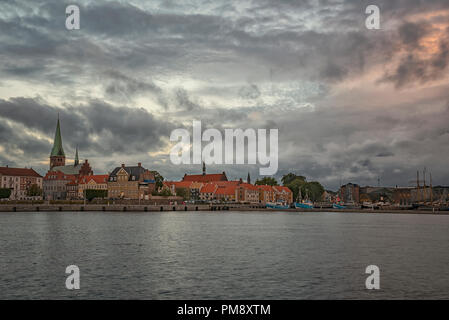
[123, 165]
[139, 164]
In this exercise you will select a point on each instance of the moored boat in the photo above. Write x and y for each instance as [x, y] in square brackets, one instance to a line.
[277, 206]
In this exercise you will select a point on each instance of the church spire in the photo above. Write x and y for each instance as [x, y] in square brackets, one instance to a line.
[77, 161]
[204, 168]
[248, 179]
[57, 144]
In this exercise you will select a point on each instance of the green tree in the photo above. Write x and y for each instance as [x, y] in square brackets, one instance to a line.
[294, 183]
[183, 192]
[267, 181]
[314, 190]
[288, 178]
[92, 194]
[158, 179]
[165, 193]
[34, 191]
[5, 193]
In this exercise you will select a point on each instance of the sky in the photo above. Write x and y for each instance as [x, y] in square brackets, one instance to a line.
[351, 104]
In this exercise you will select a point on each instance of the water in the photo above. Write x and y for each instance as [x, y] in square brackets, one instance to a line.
[226, 255]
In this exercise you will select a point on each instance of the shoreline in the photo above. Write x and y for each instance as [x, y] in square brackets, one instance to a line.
[191, 207]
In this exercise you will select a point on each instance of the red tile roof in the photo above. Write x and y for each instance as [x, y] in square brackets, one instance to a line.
[98, 178]
[21, 172]
[205, 178]
[208, 188]
[282, 189]
[248, 186]
[265, 188]
[229, 190]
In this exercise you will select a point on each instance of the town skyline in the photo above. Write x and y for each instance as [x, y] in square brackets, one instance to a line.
[351, 104]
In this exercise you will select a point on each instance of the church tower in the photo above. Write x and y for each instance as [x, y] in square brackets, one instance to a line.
[57, 155]
[77, 160]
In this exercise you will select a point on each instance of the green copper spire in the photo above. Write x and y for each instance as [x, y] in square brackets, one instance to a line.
[77, 161]
[57, 144]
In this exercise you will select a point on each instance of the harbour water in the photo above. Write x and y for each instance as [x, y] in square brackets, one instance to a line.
[223, 255]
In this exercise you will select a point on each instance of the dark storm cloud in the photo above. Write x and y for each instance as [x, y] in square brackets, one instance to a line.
[96, 128]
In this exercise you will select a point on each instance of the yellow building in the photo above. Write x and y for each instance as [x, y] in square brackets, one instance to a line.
[130, 183]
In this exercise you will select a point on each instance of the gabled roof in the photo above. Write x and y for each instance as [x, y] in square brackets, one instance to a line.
[282, 189]
[248, 186]
[208, 188]
[135, 171]
[228, 190]
[20, 172]
[98, 178]
[265, 187]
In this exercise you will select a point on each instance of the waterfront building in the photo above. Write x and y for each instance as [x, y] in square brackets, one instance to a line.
[207, 191]
[283, 194]
[131, 182]
[225, 193]
[247, 193]
[93, 182]
[20, 180]
[266, 194]
[55, 185]
[350, 193]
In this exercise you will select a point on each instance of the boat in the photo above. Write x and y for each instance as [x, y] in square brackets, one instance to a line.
[277, 206]
[304, 205]
[338, 206]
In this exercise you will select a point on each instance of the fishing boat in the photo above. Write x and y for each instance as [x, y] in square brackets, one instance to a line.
[338, 206]
[280, 206]
[304, 205]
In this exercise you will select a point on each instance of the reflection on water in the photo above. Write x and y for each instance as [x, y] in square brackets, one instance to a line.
[232, 255]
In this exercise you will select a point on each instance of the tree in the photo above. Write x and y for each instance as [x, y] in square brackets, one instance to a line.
[267, 181]
[5, 193]
[34, 191]
[158, 179]
[165, 193]
[183, 192]
[288, 178]
[92, 194]
[294, 183]
[314, 190]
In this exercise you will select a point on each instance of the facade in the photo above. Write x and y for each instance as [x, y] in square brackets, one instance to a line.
[266, 194]
[207, 192]
[130, 183]
[225, 193]
[55, 185]
[247, 193]
[93, 182]
[350, 193]
[283, 194]
[19, 180]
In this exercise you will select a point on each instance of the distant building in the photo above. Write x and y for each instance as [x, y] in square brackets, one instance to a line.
[55, 185]
[19, 180]
[283, 194]
[57, 158]
[205, 178]
[247, 193]
[266, 194]
[350, 193]
[131, 182]
[93, 182]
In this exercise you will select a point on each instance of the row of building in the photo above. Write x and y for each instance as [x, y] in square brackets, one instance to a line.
[70, 182]
[217, 188]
